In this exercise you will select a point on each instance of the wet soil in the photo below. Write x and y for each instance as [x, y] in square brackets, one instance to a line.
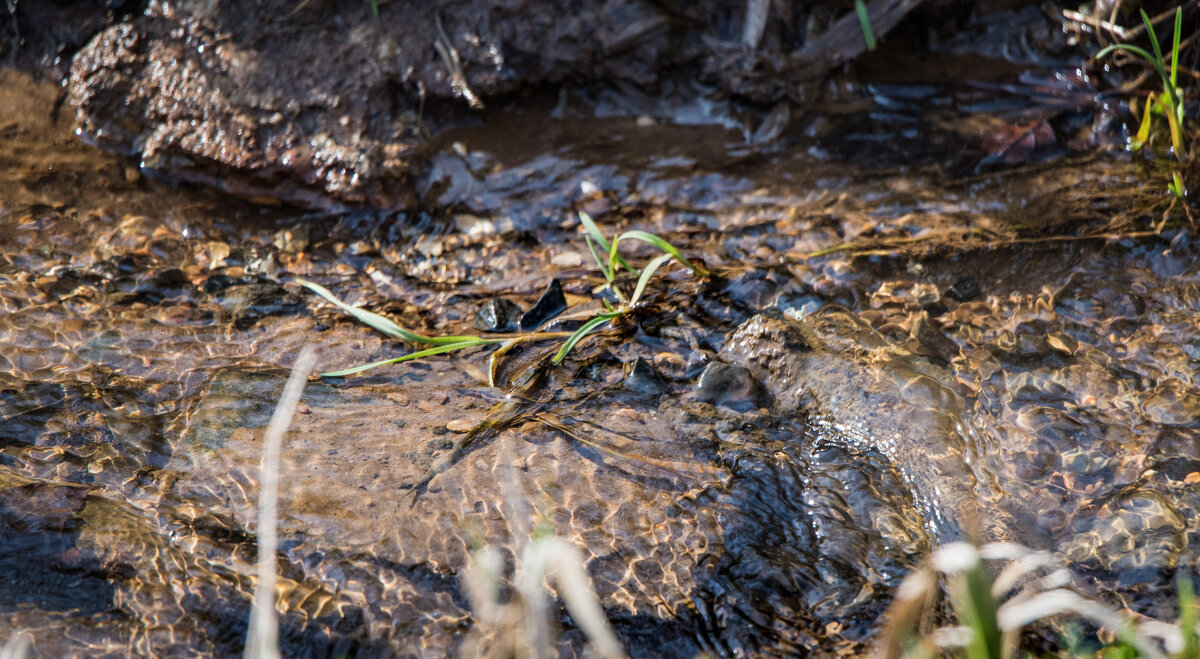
[750, 463]
[325, 104]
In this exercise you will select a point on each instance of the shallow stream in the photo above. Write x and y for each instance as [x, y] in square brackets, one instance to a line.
[146, 330]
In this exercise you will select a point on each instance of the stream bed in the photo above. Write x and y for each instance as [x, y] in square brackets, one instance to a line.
[750, 462]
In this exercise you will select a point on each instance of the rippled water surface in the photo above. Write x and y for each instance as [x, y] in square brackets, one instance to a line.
[146, 330]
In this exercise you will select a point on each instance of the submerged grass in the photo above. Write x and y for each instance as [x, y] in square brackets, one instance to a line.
[608, 264]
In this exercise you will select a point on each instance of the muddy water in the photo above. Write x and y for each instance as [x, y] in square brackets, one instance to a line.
[146, 330]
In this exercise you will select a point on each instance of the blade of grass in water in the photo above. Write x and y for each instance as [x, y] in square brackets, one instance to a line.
[587, 328]
[647, 273]
[378, 322]
[436, 350]
[608, 275]
[661, 244]
[864, 21]
[594, 231]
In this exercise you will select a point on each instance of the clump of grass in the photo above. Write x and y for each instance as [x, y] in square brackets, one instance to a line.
[596, 238]
[991, 612]
[608, 266]
[1168, 102]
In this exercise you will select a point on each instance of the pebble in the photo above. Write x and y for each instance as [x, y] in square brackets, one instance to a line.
[460, 425]
[567, 260]
[552, 303]
[725, 385]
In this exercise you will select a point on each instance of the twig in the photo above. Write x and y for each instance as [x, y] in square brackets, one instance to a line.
[1096, 23]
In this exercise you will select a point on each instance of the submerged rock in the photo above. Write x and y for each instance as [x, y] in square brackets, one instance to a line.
[858, 390]
[642, 378]
[964, 289]
[726, 385]
[552, 303]
[497, 315]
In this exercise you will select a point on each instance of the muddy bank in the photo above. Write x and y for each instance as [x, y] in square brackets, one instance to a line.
[322, 103]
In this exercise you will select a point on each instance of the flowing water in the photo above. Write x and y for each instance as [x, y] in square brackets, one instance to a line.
[1037, 390]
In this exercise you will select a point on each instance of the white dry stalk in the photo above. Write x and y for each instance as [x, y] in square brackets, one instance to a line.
[562, 562]
[523, 625]
[16, 647]
[1037, 599]
[262, 641]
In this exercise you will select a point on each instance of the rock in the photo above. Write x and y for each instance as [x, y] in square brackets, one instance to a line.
[459, 425]
[965, 288]
[932, 304]
[641, 378]
[225, 93]
[726, 385]
[552, 303]
[292, 239]
[497, 315]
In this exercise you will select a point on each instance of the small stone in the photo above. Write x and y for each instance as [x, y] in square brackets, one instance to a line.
[497, 315]
[729, 386]
[641, 378]
[292, 239]
[932, 304]
[567, 260]
[965, 288]
[552, 303]
[1192, 478]
[460, 425]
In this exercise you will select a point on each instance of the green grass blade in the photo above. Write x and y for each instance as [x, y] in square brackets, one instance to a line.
[1187, 616]
[1155, 62]
[977, 609]
[382, 323]
[864, 21]
[371, 319]
[1143, 133]
[374, 8]
[647, 273]
[436, 350]
[594, 231]
[608, 275]
[1153, 37]
[1175, 47]
[663, 245]
[583, 331]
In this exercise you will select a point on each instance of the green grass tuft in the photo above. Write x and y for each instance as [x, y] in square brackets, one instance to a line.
[608, 267]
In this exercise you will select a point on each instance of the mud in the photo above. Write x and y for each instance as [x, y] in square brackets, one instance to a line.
[324, 104]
